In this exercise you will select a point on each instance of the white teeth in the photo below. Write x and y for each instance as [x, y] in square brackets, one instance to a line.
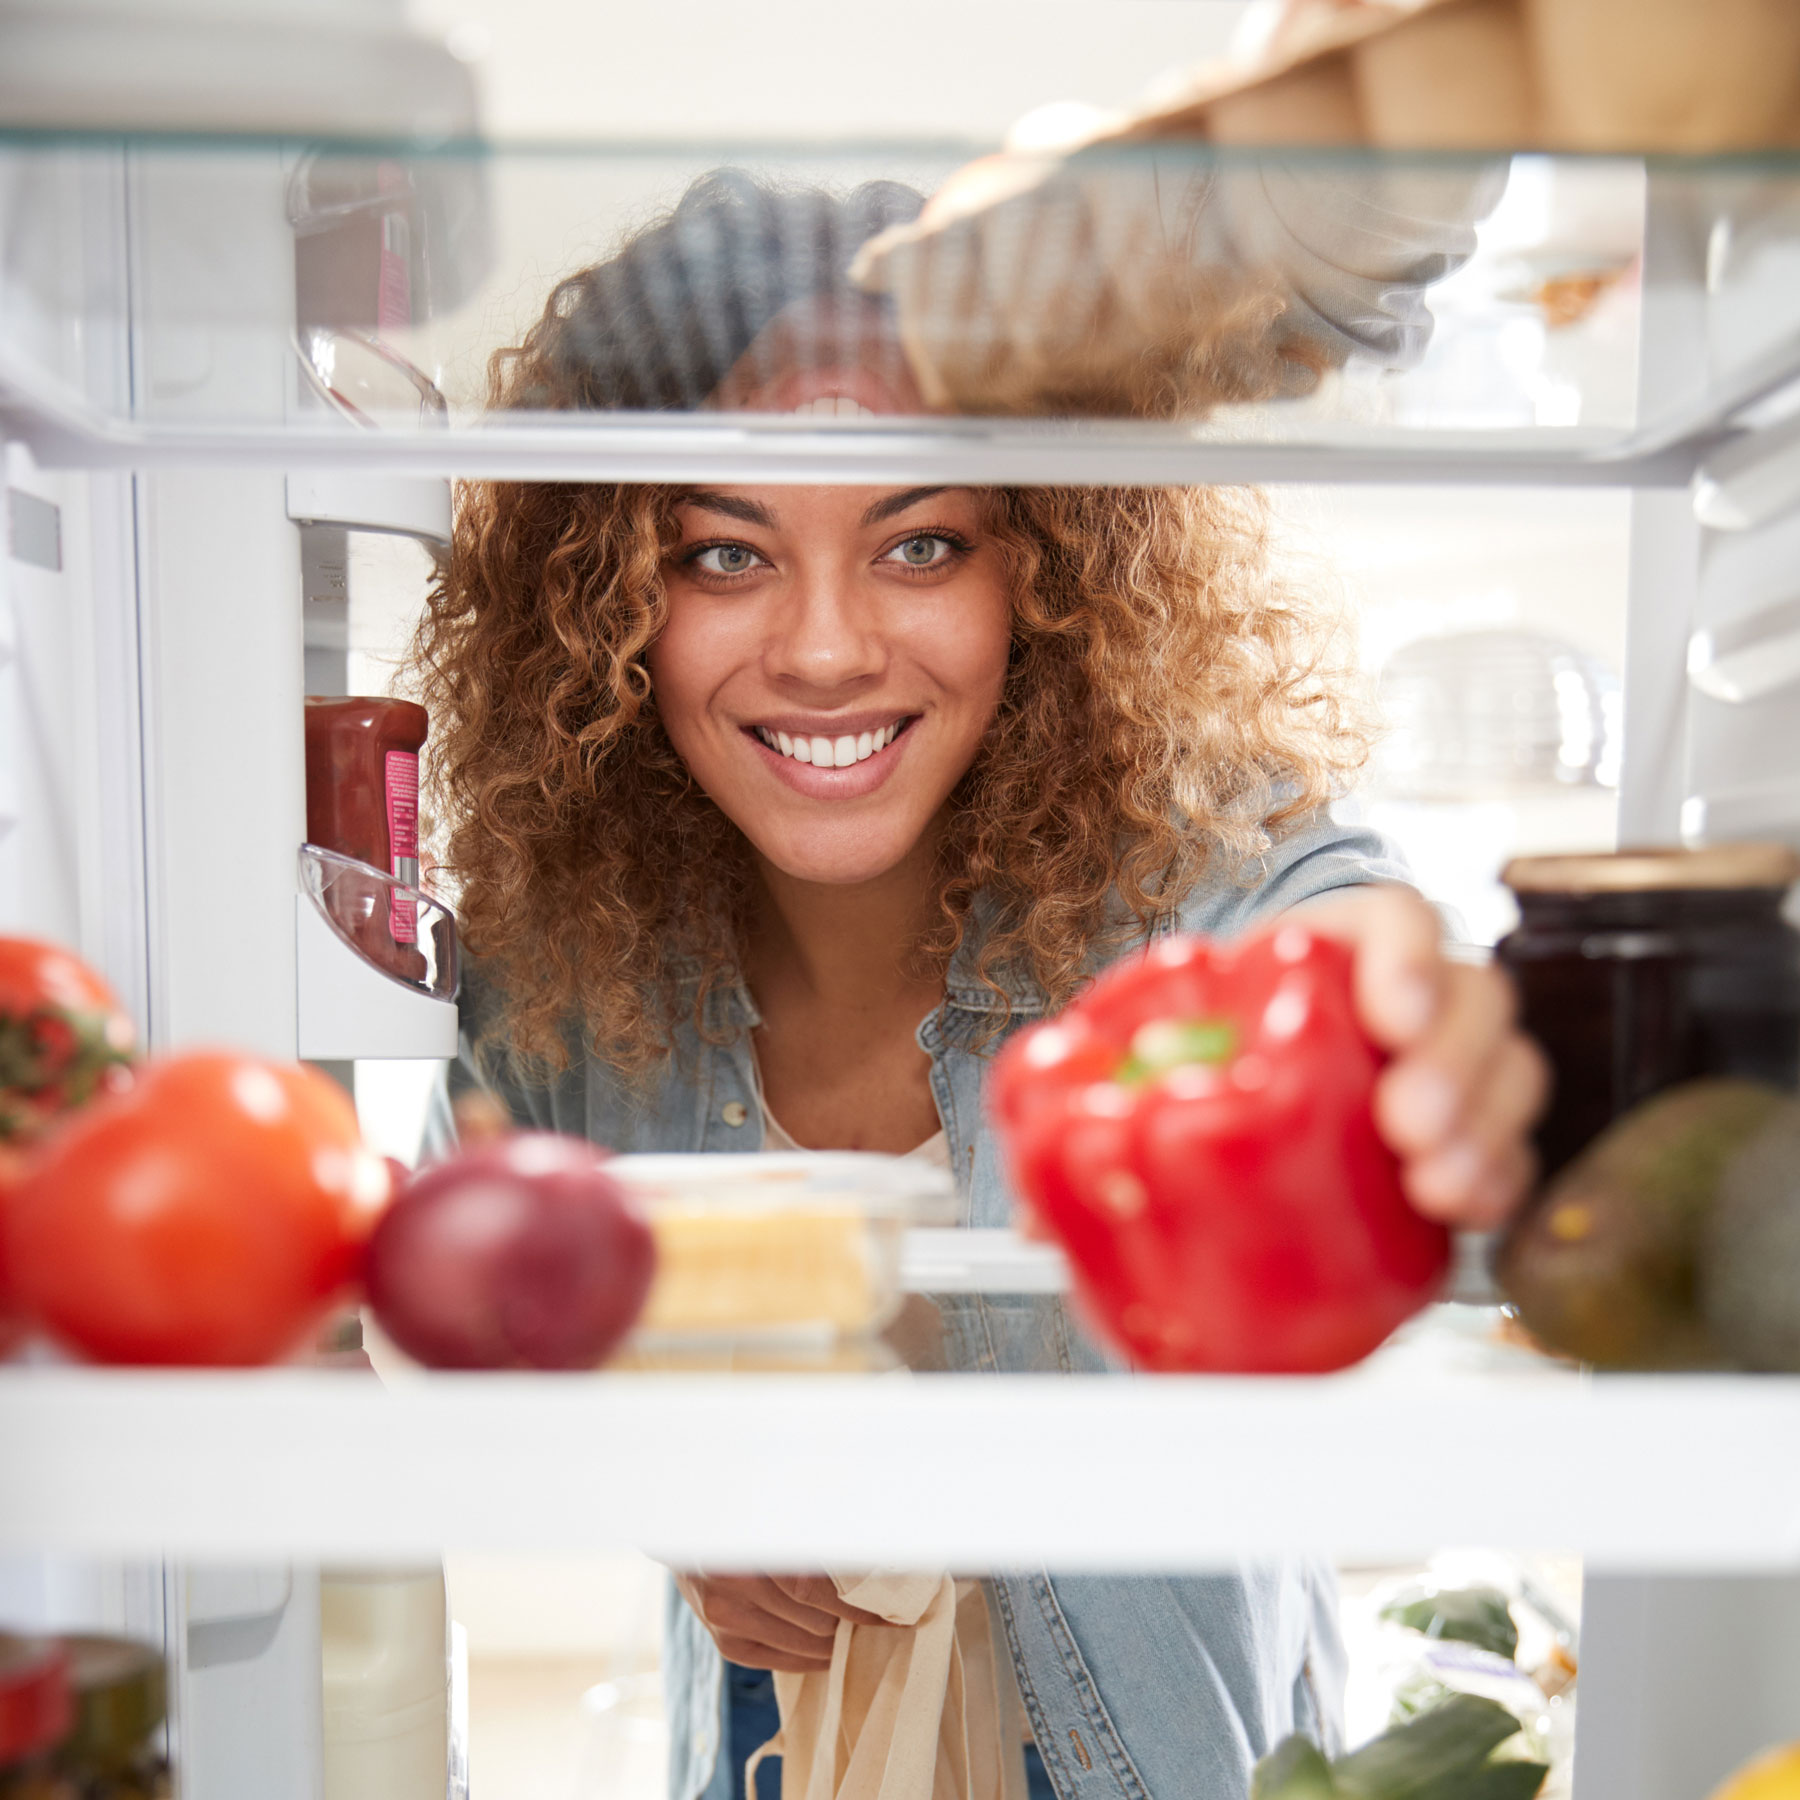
[830, 753]
[836, 406]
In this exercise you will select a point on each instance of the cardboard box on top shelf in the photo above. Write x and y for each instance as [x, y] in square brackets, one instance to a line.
[1626, 75]
[1069, 279]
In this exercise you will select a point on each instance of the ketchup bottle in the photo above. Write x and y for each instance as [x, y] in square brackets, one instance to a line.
[362, 800]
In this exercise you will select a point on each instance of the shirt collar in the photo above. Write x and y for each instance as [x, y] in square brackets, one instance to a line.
[963, 985]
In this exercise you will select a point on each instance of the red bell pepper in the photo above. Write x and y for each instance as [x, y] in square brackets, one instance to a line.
[1197, 1130]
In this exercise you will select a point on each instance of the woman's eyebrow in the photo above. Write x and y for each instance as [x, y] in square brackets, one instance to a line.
[748, 511]
[895, 504]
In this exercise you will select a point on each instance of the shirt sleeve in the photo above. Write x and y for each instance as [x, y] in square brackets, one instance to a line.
[1313, 859]
[478, 1065]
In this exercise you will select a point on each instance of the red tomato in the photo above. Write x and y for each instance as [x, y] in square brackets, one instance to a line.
[209, 1214]
[12, 1321]
[63, 1036]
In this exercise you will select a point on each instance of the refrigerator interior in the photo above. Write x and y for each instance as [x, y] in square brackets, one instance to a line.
[199, 534]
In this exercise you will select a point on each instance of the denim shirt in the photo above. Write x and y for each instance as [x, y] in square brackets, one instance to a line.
[1152, 1688]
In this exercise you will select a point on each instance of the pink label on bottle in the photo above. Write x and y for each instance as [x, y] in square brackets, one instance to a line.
[393, 299]
[402, 778]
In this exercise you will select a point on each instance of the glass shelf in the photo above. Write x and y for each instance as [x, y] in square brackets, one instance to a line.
[1168, 312]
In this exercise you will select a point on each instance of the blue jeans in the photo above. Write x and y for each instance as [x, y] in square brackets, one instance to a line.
[750, 1695]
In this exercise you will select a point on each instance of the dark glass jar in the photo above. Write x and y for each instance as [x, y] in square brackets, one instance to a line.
[113, 1750]
[1647, 968]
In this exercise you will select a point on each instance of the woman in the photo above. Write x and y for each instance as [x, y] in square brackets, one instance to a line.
[775, 809]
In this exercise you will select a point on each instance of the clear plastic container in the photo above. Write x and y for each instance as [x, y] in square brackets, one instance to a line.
[624, 1740]
[360, 902]
[788, 1246]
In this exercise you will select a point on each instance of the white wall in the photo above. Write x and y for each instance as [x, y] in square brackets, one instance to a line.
[810, 69]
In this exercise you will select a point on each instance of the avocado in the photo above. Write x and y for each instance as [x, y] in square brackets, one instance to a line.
[1603, 1266]
[1750, 1252]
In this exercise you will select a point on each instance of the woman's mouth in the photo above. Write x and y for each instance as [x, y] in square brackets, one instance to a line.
[839, 765]
[838, 752]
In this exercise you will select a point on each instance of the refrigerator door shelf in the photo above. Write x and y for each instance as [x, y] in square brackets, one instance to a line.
[231, 1594]
[349, 1008]
[409, 505]
[1749, 658]
[1750, 480]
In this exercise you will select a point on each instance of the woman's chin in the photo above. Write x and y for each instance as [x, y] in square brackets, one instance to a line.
[847, 859]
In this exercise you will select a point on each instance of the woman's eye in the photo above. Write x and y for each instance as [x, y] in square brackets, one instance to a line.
[726, 559]
[921, 552]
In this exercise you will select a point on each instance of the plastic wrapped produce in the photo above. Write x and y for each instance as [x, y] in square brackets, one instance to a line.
[1154, 281]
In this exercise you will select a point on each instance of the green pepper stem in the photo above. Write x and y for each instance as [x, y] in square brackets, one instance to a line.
[1166, 1044]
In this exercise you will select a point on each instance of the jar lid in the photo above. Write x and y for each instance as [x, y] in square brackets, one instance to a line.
[1721, 866]
[36, 1706]
[120, 1698]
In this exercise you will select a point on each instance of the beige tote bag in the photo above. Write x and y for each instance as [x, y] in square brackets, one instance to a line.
[918, 1709]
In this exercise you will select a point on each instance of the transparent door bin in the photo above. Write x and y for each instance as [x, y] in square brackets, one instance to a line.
[778, 1249]
[624, 1740]
[395, 928]
[377, 963]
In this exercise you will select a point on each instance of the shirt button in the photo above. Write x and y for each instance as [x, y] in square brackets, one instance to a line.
[734, 1112]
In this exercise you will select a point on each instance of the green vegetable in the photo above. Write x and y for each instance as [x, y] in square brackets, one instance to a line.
[1166, 1044]
[1295, 1769]
[1477, 1615]
[1501, 1781]
[1445, 1754]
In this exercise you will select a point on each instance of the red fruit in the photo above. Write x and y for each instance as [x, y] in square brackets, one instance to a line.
[1197, 1130]
[64, 1038]
[518, 1253]
[12, 1320]
[209, 1214]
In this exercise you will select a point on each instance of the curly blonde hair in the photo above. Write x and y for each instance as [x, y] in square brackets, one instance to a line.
[1170, 703]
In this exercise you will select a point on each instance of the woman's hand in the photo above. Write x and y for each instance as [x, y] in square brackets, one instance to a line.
[1465, 1085]
[784, 1622]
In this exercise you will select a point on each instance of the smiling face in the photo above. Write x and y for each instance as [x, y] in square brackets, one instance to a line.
[831, 661]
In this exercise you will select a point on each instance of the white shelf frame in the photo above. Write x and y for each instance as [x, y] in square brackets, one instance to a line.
[63, 431]
[1637, 1474]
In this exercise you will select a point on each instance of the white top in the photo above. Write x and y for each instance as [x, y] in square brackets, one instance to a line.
[934, 1152]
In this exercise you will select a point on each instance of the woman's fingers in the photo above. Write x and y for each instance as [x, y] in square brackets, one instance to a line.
[1426, 1092]
[1464, 1086]
[816, 1597]
[1400, 967]
[753, 1613]
[1479, 1175]
[750, 1653]
[786, 1622]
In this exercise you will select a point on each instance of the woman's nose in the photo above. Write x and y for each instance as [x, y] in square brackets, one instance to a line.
[828, 634]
